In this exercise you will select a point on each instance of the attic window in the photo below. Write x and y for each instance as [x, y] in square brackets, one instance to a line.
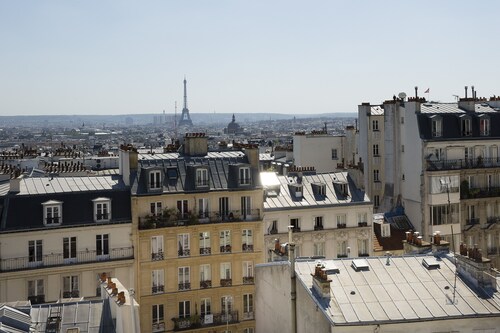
[102, 209]
[244, 176]
[52, 212]
[484, 125]
[319, 189]
[430, 263]
[172, 173]
[360, 265]
[201, 177]
[155, 180]
[466, 126]
[297, 188]
[437, 126]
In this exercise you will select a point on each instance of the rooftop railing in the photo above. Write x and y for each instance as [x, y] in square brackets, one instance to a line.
[471, 163]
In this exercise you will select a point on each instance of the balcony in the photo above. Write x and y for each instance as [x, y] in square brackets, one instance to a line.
[174, 220]
[225, 249]
[102, 217]
[341, 225]
[479, 192]
[57, 259]
[247, 247]
[207, 320]
[248, 280]
[296, 229]
[184, 252]
[71, 294]
[472, 221]
[157, 289]
[38, 299]
[273, 231]
[492, 250]
[475, 163]
[206, 284]
[318, 227]
[184, 286]
[157, 256]
[248, 315]
[226, 282]
[362, 224]
[493, 219]
[158, 327]
[205, 251]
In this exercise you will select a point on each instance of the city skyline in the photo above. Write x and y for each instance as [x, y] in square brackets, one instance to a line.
[280, 57]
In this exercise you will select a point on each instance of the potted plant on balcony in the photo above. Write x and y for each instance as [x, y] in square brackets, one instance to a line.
[149, 222]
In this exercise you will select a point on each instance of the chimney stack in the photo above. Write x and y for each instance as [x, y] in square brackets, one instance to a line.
[416, 92]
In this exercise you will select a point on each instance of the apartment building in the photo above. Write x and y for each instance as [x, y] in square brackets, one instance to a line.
[330, 217]
[441, 164]
[197, 219]
[58, 234]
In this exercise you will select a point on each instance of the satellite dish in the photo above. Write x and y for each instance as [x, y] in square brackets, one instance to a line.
[402, 95]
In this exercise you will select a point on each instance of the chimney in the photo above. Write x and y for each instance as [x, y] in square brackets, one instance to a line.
[414, 244]
[128, 160]
[476, 269]
[195, 144]
[439, 246]
[252, 153]
[416, 92]
[321, 283]
[466, 91]
[15, 184]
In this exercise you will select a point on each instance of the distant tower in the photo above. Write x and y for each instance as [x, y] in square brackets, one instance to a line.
[185, 118]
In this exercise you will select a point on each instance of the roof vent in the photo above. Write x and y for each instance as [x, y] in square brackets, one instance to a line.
[360, 265]
[331, 267]
[430, 263]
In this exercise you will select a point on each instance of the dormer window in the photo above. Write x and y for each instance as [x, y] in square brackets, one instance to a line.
[155, 182]
[102, 209]
[319, 189]
[201, 177]
[52, 212]
[484, 125]
[244, 178]
[437, 127]
[466, 126]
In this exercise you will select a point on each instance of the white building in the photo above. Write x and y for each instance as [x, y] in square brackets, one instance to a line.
[330, 216]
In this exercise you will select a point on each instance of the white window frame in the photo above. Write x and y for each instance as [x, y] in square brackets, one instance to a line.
[225, 241]
[247, 240]
[466, 126]
[184, 249]
[248, 305]
[318, 222]
[437, 127]
[363, 247]
[202, 177]
[157, 281]
[247, 269]
[203, 208]
[52, 209]
[319, 249]
[244, 176]
[71, 285]
[102, 209]
[376, 201]
[158, 317]
[36, 287]
[205, 306]
[35, 252]
[70, 247]
[335, 155]
[342, 248]
[205, 272]
[154, 180]
[295, 222]
[157, 252]
[205, 243]
[185, 306]
[484, 126]
[341, 219]
[156, 208]
[225, 270]
[183, 208]
[184, 277]
[102, 246]
[376, 150]
[246, 207]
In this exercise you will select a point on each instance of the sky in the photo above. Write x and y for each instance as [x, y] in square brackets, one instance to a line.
[253, 56]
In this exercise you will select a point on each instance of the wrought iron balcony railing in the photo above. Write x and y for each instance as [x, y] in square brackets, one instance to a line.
[205, 320]
[158, 255]
[206, 284]
[71, 294]
[158, 289]
[248, 280]
[57, 259]
[225, 249]
[226, 282]
[184, 286]
[205, 251]
[184, 252]
[471, 163]
[247, 247]
[472, 221]
[158, 327]
[479, 192]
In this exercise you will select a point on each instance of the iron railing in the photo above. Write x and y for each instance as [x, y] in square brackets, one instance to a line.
[471, 163]
[206, 320]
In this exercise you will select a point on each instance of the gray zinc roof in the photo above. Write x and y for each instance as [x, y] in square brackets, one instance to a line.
[403, 291]
[46, 185]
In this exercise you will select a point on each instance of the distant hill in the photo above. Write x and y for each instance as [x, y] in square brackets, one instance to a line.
[144, 119]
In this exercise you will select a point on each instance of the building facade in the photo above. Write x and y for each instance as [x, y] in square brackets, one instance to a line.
[197, 219]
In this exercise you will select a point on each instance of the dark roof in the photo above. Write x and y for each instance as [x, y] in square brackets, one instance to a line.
[451, 116]
[23, 211]
[178, 172]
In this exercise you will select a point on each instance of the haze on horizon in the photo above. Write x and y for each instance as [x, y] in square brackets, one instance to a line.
[292, 57]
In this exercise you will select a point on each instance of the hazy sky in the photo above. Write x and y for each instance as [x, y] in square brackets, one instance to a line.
[119, 57]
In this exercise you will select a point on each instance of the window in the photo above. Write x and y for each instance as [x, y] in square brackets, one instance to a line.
[225, 271]
[247, 240]
[183, 243]
[70, 286]
[36, 291]
[157, 248]
[102, 246]
[205, 307]
[158, 318]
[342, 249]
[471, 215]
[156, 208]
[249, 330]
[226, 304]
[223, 207]
[225, 241]
[247, 272]
[201, 177]
[375, 150]
[484, 126]
[184, 309]
[334, 154]
[273, 228]
[363, 247]
[184, 278]
[35, 253]
[440, 214]
[362, 219]
[246, 207]
[244, 176]
[295, 222]
[466, 126]
[203, 208]
[205, 276]
[155, 180]
[375, 125]
[437, 127]
[69, 249]
[319, 249]
[247, 306]
[376, 174]
[182, 209]
[318, 223]
[52, 212]
[341, 221]
[376, 201]
[102, 209]
[157, 281]
[205, 247]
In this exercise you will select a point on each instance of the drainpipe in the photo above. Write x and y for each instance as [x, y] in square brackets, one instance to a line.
[293, 289]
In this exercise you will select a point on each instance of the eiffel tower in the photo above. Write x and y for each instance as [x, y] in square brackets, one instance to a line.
[185, 118]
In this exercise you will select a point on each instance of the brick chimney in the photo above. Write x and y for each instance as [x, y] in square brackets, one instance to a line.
[321, 283]
[195, 144]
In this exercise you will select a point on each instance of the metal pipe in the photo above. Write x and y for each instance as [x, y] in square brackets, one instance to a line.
[293, 288]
